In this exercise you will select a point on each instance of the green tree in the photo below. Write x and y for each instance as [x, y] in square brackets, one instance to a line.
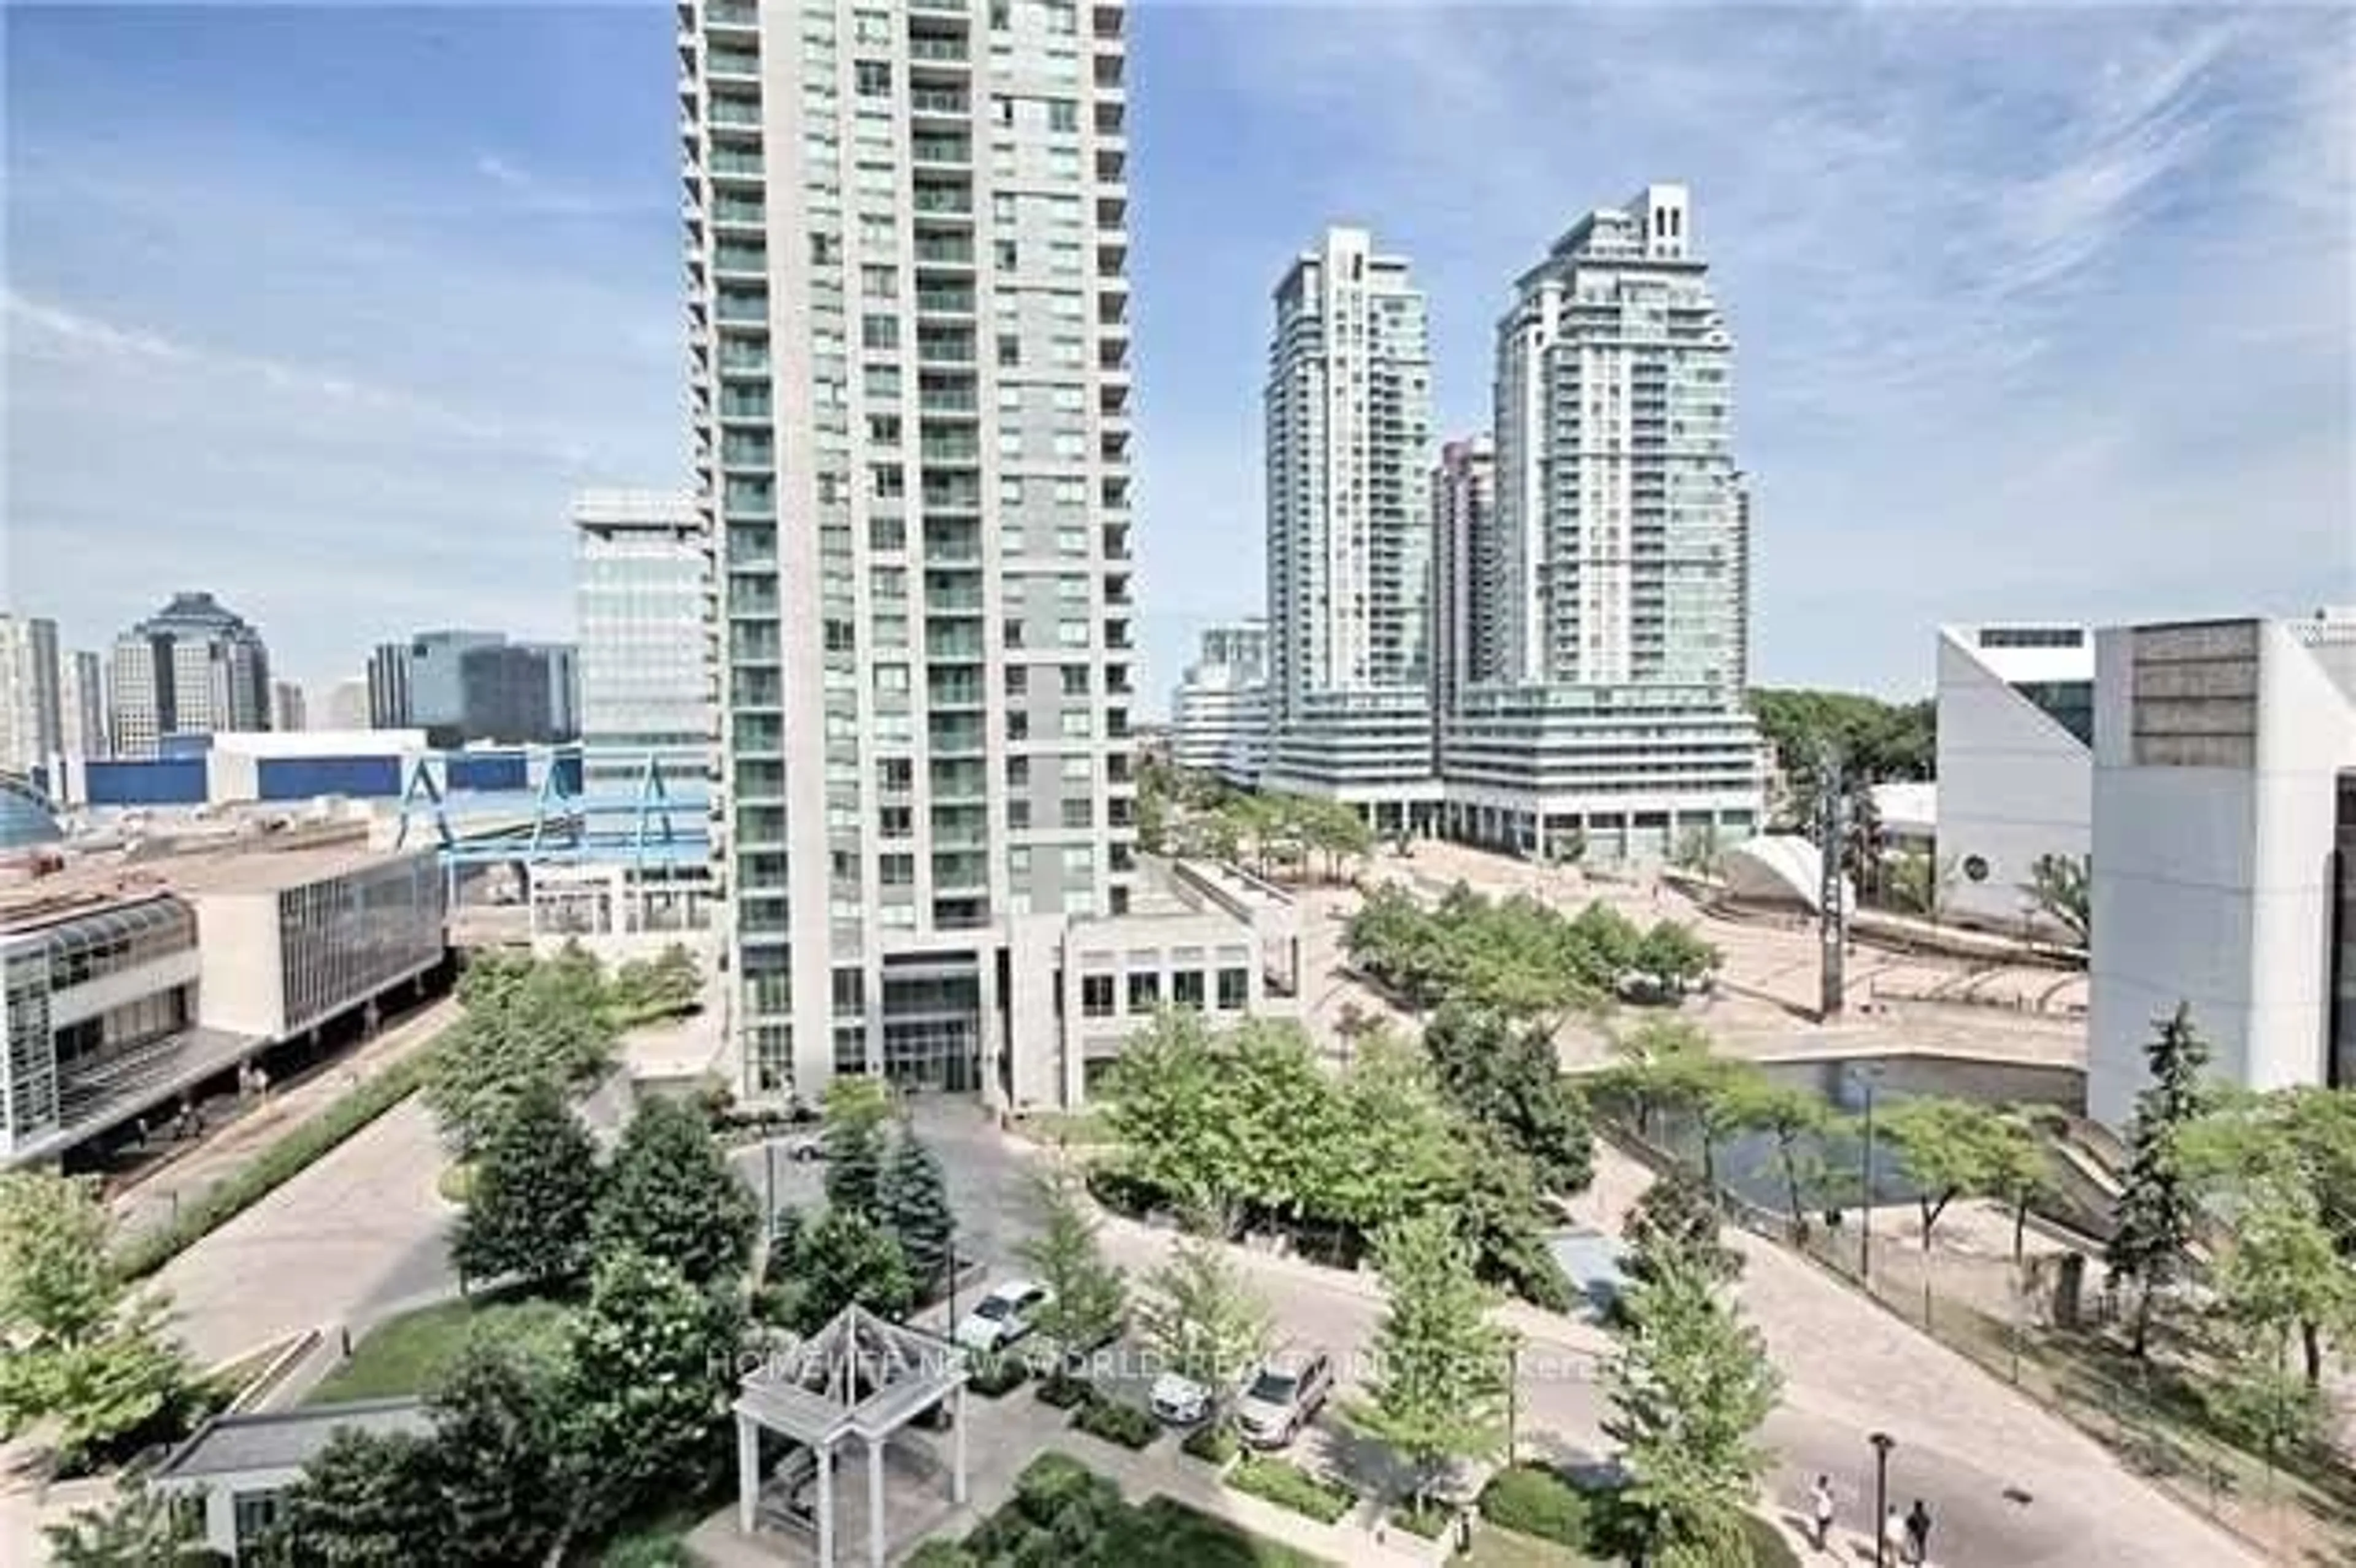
[2279, 1168]
[1201, 1320]
[914, 1198]
[1922, 883]
[1091, 1295]
[1656, 1068]
[646, 1383]
[1675, 1222]
[842, 1258]
[1512, 1080]
[1439, 1390]
[366, 1500]
[1951, 1148]
[81, 1348]
[670, 1195]
[1690, 1388]
[535, 1186]
[1386, 1145]
[1699, 851]
[2059, 888]
[1170, 1109]
[523, 1024]
[1502, 1217]
[1794, 1120]
[141, 1527]
[499, 1459]
[2159, 1206]
[857, 1111]
[1674, 956]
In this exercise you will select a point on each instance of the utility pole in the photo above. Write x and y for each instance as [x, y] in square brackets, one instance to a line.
[1832, 821]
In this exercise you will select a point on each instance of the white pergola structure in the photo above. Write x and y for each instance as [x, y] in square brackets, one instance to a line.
[858, 1377]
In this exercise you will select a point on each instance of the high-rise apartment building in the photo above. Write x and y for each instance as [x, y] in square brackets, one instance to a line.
[194, 667]
[82, 705]
[288, 710]
[389, 705]
[1218, 715]
[907, 239]
[1465, 578]
[346, 705]
[1349, 405]
[1613, 715]
[31, 715]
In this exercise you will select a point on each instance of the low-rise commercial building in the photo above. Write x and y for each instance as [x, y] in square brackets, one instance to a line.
[131, 981]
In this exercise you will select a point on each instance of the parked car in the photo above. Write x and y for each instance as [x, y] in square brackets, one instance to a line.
[802, 1147]
[1179, 1400]
[1290, 1388]
[1007, 1314]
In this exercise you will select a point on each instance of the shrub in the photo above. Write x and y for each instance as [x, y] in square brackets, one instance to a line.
[277, 1165]
[1427, 1521]
[939, 1554]
[1768, 1547]
[1050, 1483]
[1212, 1441]
[1290, 1486]
[1535, 1500]
[1062, 1390]
[1117, 1422]
[994, 1375]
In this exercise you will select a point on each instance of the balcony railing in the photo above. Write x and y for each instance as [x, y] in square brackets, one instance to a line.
[924, 46]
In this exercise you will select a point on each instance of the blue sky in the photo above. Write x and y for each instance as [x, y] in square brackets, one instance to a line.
[2042, 309]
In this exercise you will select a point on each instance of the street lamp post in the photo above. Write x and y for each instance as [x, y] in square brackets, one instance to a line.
[1866, 1075]
[1883, 1444]
[1513, 1394]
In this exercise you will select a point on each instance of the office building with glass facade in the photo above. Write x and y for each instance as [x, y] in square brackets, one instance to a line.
[907, 241]
[193, 668]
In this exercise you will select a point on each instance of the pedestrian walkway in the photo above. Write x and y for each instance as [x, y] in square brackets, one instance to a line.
[156, 1197]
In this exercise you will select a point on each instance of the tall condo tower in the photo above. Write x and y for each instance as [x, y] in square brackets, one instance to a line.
[1349, 558]
[1610, 706]
[908, 325]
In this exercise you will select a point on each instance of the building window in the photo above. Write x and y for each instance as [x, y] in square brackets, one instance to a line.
[1186, 988]
[850, 993]
[1235, 990]
[1096, 996]
[1144, 992]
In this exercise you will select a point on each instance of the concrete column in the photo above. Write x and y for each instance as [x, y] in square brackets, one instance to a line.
[748, 1474]
[876, 1502]
[825, 1507]
[956, 1463]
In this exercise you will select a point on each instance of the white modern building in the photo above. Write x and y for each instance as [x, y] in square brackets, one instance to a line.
[192, 668]
[31, 710]
[2016, 766]
[1348, 404]
[907, 239]
[2224, 850]
[1218, 715]
[345, 704]
[1602, 702]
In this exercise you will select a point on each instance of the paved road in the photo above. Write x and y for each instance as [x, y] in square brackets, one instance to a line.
[2009, 1484]
[361, 1230]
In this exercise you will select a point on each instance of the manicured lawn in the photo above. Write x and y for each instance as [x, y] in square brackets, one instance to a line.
[401, 1355]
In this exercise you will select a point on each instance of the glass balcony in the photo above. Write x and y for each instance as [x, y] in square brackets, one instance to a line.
[951, 595]
[948, 640]
[731, 12]
[953, 249]
[745, 111]
[950, 734]
[726, 160]
[938, 100]
[746, 403]
[960, 870]
[732, 62]
[927, 46]
[936, 199]
[958, 780]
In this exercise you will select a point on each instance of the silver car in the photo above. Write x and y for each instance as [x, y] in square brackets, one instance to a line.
[1289, 1389]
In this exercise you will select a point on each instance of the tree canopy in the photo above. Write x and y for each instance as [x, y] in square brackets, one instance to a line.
[80, 1346]
[535, 1186]
[2159, 1207]
[526, 1021]
[670, 1195]
[1439, 1388]
[1091, 1295]
[1876, 741]
[1515, 956]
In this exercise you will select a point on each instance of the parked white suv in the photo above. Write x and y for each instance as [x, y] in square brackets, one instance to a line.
[1004, 1316]
[1179, 1400]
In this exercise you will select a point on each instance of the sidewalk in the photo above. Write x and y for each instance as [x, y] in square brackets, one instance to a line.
[155, 1197]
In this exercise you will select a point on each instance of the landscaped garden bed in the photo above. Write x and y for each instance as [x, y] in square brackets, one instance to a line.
[1117, 1422]
[1290, 1487]
[1064, 1512]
